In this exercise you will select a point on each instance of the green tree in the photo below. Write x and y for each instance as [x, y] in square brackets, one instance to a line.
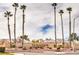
[74, 36]
[25, 37]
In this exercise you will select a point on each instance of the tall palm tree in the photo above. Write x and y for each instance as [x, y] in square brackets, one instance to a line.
[61, 13]
[69, 10]
[23, 7]
[8, 15]
[54, 5]
[15, 5]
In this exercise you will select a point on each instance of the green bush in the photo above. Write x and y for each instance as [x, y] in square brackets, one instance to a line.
[55, 46]
[2, 49]
[61, 46]
[13, 46]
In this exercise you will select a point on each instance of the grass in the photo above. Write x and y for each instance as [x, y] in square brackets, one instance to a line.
[6, 53]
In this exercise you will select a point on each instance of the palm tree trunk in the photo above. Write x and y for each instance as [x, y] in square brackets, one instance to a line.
[9, 32]
[15, 27]
[73, 28]
[70, 28]
[55, 25]
[62, 29]
[23, 29]
[73, 25]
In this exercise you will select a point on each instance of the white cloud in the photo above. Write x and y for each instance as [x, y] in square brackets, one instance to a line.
[38, 15]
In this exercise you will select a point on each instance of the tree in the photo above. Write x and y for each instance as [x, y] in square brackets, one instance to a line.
[23, 7]
[8, 15]
[69, 10]
[77, 38]
[25, 37]
[73, 36]
[61, 12]
[54, 5]
[15, 5]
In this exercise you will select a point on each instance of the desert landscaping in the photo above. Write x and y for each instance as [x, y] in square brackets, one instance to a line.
[40, 46]
[39, 29]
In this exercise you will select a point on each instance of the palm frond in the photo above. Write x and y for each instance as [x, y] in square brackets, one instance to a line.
[15, 5]
[11, 14]
[7, 13]
[54, 4]
[69, 9]
[61, 12]
[23, 7]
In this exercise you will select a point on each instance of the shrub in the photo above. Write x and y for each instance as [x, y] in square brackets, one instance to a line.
[24, 48]
[12, 46]
[30, 48]
[2, 49]
[60, 46]
[41, 47]
[50, 48]
[20, 47]
[47, 46]
[55, 46]
[36, 47]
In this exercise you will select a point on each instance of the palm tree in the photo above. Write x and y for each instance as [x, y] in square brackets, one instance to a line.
[54, 5]
[8, 14]
[23, 7]
[69, 10]
[73, 36]
[61, 13]
[25, 37]
[15, 5]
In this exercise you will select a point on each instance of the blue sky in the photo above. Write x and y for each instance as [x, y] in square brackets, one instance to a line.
[39, 21]
[45, 29]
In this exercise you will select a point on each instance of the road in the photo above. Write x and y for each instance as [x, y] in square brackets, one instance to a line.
[49, 53]
[39, 52]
